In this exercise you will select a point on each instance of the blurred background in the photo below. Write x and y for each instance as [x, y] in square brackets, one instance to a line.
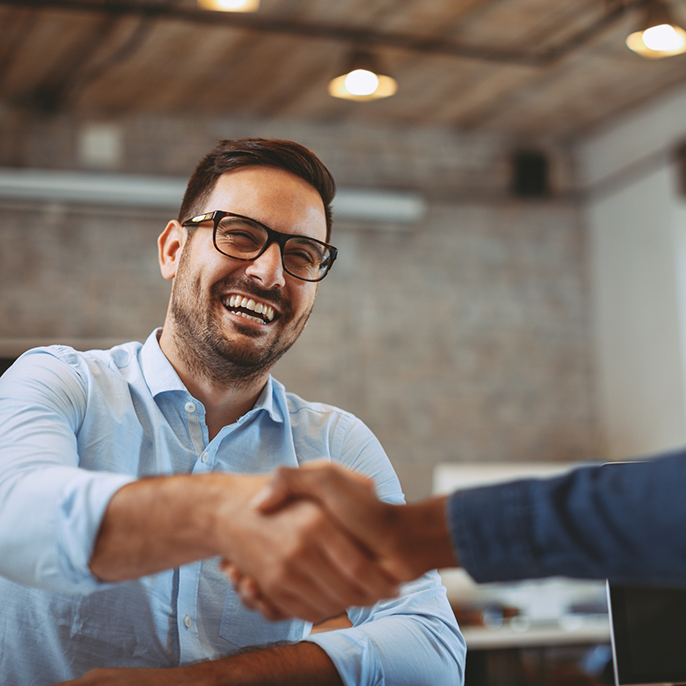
[511, 218]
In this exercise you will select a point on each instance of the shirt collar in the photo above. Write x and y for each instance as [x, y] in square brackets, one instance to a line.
[161, 377]
[157, 369]
[272, 400]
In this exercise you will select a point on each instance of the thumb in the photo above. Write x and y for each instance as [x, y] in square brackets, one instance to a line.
[273, 496]
[313, 480]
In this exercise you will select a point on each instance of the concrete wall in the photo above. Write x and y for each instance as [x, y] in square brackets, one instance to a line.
[637, 234]
[464, 338]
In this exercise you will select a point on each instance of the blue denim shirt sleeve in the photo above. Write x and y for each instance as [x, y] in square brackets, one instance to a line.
[622, 521]
[50, 510]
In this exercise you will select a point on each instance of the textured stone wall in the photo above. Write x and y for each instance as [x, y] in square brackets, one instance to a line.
[463, 338]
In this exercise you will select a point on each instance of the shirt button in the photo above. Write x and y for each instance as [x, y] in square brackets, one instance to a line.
[205, 457]
[187, 621]
[190, 407]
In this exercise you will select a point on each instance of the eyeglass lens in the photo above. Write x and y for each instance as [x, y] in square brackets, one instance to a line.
[303, 257]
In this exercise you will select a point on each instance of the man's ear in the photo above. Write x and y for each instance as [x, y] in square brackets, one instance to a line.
[170, 245]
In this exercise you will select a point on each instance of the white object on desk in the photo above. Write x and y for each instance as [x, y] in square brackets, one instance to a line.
[451, 476]
[545, 605]
[590, 630]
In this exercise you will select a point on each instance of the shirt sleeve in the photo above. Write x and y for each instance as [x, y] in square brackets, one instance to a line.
[50, 508]
[411, 640]
[621, 521]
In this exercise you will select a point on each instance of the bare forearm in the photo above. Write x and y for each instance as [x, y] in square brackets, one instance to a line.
[300, 664]
[163, 522]
[424, 536]
[308, 566]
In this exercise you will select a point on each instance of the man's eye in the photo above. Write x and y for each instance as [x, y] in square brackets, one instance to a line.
[239, 237]
[303, 257]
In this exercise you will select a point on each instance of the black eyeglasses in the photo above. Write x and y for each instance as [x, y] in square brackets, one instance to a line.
[243, 238]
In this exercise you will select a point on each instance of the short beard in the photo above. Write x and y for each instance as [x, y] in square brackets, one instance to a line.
[203, 348]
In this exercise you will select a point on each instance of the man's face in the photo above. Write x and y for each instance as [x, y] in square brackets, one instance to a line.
[217, 334]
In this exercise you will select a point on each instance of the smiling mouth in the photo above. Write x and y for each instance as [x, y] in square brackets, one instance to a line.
[248, 308]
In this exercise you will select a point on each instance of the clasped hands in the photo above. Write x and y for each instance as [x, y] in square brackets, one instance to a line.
[343, 546]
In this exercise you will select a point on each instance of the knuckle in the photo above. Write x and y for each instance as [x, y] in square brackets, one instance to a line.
[359, 568]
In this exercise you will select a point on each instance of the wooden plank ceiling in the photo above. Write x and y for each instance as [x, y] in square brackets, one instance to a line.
[519, 67]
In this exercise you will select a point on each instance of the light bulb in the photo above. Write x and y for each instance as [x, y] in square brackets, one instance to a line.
[361, 82]
[230, 5]
[663, 37]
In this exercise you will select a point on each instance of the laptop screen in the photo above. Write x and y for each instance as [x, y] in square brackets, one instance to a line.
[648, 634]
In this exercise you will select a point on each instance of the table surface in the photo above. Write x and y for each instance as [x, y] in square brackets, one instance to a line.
[570, 630]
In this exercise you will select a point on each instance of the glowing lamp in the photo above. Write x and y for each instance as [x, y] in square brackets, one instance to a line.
[659, 35]
[230, 5]
[362, 81]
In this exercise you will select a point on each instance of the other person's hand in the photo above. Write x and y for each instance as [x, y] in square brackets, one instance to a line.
[303, 562]
[384, 530]
[406, 540]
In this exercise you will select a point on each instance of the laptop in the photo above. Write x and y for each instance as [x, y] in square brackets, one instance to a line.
[648, 629]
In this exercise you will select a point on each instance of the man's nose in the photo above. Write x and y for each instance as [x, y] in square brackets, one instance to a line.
[268, 267]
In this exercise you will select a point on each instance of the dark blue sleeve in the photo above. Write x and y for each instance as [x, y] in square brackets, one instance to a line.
[625, 522]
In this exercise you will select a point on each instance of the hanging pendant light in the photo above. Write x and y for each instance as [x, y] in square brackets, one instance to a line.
[659, 35]
[230, 5]
[362, 80]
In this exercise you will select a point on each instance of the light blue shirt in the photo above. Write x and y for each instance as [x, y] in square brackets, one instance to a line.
[76, 427]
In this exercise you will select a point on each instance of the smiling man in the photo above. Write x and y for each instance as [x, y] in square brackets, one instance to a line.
[126, 474]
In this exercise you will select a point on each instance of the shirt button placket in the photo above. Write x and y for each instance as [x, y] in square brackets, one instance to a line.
[194, 427]
[189, 639]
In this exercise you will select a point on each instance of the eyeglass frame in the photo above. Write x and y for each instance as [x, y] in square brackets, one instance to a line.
[273, 236]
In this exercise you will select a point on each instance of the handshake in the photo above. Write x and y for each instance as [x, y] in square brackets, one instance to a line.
[333, 544]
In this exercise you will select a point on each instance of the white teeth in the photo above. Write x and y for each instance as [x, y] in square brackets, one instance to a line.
[266, 311]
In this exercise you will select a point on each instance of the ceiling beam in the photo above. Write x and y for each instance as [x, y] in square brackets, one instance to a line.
[347, 34]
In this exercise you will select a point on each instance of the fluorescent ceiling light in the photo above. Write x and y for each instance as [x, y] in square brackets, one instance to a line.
[366, 204]
[166, 193]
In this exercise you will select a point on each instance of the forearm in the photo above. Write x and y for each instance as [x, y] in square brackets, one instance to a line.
[306, 564]
[424, 536]
[300, 664]
[164, 522]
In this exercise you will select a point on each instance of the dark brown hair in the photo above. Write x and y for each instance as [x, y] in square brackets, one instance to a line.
[228, 155]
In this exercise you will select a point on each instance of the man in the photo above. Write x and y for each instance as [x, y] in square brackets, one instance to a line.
[125, 475]
[622, 521]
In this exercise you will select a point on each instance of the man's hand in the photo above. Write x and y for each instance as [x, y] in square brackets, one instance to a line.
[308, 566]
[304, 562]
[406, 540]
